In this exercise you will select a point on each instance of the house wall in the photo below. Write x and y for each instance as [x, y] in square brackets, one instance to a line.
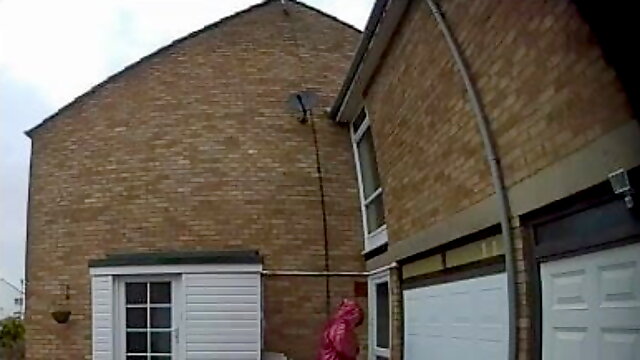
[195, 149]
[560, 118]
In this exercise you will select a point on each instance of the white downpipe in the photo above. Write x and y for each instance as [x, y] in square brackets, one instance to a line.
[496, 172]
[327, 273]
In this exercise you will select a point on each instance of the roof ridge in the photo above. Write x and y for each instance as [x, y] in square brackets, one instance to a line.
[173, 43]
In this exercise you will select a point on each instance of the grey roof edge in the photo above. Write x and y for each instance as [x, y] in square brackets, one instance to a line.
[179, 258]
[118, 74]
[367, 36]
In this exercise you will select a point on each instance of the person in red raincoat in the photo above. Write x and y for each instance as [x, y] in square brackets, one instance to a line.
[339, 340]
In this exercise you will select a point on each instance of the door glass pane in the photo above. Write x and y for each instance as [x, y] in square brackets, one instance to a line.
[160, 292]
[160, 318]
[136, 318]
[368, 164]
[375, 213]
[161, 342]
[136, 293]
[382, 315]
[137, 342]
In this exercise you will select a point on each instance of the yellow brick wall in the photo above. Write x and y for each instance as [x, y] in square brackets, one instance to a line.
[429, 154]
[547, 91]
[195, 149]
[545, 84]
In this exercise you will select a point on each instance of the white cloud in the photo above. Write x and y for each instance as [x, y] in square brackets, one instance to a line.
[64, 47]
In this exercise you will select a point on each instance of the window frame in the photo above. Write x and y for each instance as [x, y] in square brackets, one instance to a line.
[120, 328]
[376, 237]
[376, 352]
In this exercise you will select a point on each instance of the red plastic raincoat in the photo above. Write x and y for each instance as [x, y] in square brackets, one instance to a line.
[339, 340]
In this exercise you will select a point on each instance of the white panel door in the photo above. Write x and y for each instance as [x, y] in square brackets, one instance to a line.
[223, 316]
[591, 306]
[464, 319]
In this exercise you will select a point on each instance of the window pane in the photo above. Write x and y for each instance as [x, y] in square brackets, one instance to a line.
[368, 164]
[136, 293]
[160, 292]
[382, 315]
[160, 318]
[375, 213]
[161, 357]
[136, 357]
[359, 120]
[161, 342]
[137, 342]
[136, 318]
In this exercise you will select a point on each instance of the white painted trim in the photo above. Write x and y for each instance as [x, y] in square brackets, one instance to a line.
[175, 269]
[375, 194]
[182, 335]
[377, 278]
[356, 158]
[377, 238]
[328, 273]
[357, 135]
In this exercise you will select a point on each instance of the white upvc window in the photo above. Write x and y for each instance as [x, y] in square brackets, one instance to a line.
[379, 316]
[371, 202]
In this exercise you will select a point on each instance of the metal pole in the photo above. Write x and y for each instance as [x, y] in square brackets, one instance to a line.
[496, 173]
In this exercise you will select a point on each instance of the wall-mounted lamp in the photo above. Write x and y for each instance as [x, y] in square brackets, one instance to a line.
[62, 316]
[620, 184]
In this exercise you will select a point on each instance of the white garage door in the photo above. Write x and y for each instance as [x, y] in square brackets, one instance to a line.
[591, 306]
[465, 319]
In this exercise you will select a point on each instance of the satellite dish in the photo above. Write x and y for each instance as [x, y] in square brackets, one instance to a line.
[302, 102]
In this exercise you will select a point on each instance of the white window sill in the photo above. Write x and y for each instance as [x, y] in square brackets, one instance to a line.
[376, 239]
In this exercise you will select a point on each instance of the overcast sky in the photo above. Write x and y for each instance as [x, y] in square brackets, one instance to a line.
[53, 51]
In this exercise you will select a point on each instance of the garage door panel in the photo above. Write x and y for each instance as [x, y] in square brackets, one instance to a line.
[491, 333]
[492, 317]
[569, 343]
[619, 284]
[569, 290]
[460, 320]
[432, 321]
[591, 306]
[490, 349]
[460, 348]
[617, 319]
[620, 344]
